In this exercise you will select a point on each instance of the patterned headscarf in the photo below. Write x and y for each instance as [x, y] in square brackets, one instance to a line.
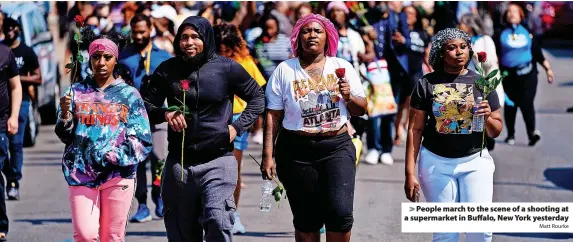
[331, 33]
[440, 39]
[103, 45]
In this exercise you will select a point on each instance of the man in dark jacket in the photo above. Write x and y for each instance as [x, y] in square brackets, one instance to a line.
[197, 190]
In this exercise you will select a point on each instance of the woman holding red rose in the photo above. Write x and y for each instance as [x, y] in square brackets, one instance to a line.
[312, 97]
[103, 123]
[440, 134]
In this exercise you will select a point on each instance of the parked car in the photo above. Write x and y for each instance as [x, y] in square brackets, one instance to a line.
[35, 33]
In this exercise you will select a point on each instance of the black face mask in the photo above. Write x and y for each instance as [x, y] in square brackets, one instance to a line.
[8, 41]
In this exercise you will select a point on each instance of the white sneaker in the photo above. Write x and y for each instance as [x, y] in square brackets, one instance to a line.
[238, 227]
[258, 137]
[372, 157]
[387, 159]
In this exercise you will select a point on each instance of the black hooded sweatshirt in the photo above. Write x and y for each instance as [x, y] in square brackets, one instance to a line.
[212, 85]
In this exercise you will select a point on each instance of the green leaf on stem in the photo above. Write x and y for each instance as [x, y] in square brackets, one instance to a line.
[492, 74]
[70, 65]
[479, 69]
[173, 108]
[278, 192]
[80, 57]
[480, 83]
[76, 36]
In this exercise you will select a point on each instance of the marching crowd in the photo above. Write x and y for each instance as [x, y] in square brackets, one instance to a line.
[184, 84]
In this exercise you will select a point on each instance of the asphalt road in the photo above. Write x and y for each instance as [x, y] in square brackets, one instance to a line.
[523, 174]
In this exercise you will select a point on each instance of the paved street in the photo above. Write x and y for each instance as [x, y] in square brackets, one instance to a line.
[523, 174]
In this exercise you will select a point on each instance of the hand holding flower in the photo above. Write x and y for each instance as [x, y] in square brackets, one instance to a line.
[345, 90]
[343, 85]
[486, 84]
[176, 120]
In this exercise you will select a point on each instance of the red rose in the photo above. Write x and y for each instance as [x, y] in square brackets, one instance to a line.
[184, 85]
[340, 72]
[79, 21]
[482, 56]
[266, 39]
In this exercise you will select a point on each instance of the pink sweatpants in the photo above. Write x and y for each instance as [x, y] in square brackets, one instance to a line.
[101, 212]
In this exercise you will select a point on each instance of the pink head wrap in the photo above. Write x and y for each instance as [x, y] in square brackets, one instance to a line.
[103, 45]
[337, 4]
[331, 33]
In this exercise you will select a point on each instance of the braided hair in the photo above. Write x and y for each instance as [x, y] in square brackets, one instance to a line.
[230, 36]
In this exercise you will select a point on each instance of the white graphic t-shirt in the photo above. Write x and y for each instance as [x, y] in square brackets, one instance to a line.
[311, 106]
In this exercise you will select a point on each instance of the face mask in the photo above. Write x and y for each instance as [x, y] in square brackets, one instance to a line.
[103, 23]
[95, 29]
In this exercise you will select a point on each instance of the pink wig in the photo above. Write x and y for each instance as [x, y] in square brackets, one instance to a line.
[331, 33]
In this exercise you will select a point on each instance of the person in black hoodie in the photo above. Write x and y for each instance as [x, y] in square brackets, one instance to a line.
[197, 191]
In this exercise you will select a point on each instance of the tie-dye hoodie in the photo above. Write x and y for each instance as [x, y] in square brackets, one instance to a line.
[108, 136]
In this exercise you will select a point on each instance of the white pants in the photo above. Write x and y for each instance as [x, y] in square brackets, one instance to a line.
[466, 179]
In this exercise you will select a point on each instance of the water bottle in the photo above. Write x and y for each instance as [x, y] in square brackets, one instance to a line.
[266, 196]
[478, 120]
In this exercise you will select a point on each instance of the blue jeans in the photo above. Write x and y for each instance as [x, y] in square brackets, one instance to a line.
[13, 165]
[241, 142]
[3, 156]
[380, 133]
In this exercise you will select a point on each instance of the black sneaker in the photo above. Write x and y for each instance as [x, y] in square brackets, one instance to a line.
[510, 140]
[570, 110]
[13, 194]
[535, 138]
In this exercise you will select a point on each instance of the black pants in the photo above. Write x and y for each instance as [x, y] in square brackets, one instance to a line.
[318, 175]
[521, 90]
[141, 188]
[159, 136]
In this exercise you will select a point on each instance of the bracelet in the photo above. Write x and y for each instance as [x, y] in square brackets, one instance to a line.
[66, 119]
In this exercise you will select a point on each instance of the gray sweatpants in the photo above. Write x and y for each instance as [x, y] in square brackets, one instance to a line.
[202, 201]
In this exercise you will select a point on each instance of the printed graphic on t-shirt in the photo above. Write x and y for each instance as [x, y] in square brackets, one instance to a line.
[318, 102]
[452, 107]
[517, 40]
[19, 61]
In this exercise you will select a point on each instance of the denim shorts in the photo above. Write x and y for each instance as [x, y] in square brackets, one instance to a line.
[241, 142]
